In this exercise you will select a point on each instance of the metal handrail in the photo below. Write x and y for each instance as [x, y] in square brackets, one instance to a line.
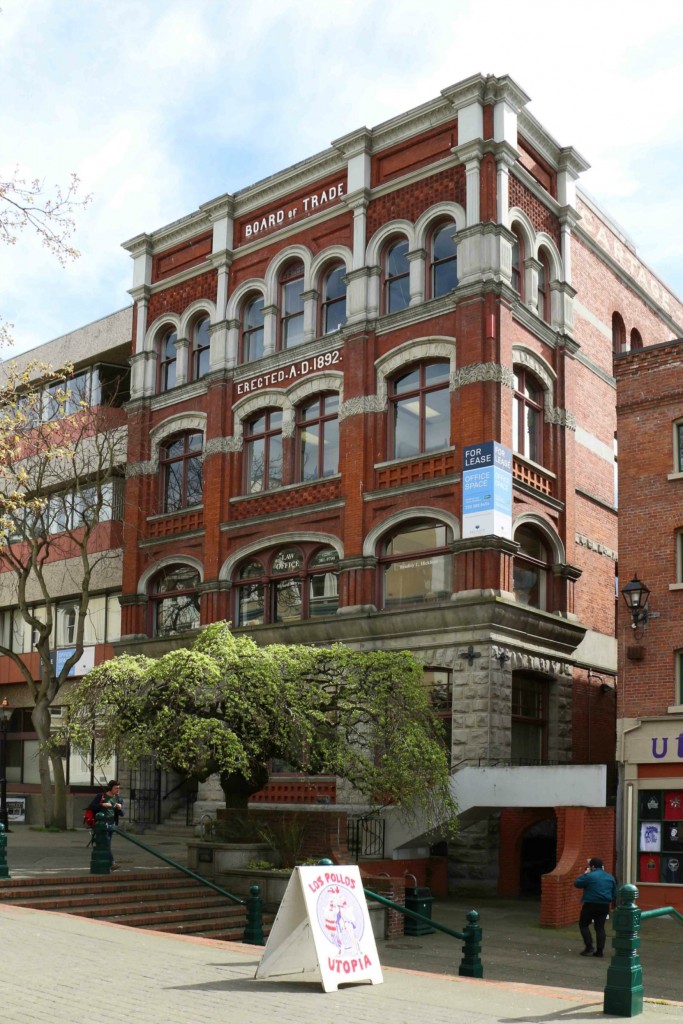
[180, 867]
[661, 912]
[470, 965]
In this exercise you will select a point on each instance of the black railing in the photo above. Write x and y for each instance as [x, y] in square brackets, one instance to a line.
[365, 836]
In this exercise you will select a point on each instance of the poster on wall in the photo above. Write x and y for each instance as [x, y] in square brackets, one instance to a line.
[322, 931]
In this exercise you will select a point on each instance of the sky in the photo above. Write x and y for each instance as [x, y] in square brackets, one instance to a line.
[161, 105]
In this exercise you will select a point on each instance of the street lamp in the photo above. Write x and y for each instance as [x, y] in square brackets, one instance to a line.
[636, 595]
[5, 716]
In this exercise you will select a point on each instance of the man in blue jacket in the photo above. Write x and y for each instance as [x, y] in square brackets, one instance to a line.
[599, 891]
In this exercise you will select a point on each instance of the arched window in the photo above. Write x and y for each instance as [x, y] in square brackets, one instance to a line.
[333, 308]
[167, 361]
[180, 461]
[415, 564]
[174, 600]
[618, 334]
[543, 287]
[200, 348]
[531, 568]
[636, 340]
[419, 404]
[527, 416]
[518, 262]
[396, 276]
[318, 436]
[529, 719]
[443, 260]
[263, 451]
[285, 584]
[252, 329]
[292, 305]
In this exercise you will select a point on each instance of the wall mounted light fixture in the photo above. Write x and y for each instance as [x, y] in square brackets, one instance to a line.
[637, 595]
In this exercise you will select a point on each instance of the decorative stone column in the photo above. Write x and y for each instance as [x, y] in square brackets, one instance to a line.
[416, 264]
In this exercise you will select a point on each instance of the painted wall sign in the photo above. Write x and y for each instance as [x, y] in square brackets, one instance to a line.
[655, 742]
[487, 490]
[287, 375]
[667, 748]
[302, 207]
[322, 931]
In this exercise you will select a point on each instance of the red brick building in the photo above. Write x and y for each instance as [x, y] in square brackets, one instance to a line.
[312, 355]
[650, 693]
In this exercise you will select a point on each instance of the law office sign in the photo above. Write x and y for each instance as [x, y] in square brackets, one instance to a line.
[487, 490]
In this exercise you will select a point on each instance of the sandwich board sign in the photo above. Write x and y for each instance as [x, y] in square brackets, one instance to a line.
[322, 931]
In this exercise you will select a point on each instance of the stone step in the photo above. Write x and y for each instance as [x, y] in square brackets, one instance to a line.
[120, 902]
[161, 900]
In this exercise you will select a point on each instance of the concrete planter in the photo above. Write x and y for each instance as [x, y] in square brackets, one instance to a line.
[212, 859]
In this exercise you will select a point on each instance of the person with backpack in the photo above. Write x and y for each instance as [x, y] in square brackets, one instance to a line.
[110, 803]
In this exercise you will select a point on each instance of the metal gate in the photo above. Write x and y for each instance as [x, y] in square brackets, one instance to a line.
[365, 836]
[144, 806]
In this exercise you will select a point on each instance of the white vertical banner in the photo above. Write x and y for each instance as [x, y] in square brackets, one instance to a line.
[322, 931]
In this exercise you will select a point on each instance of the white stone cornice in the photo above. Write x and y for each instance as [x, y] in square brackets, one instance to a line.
[280, 186]
[140, 245]
[222, 206]
[505, 89]
[570, 160]
[475, 373]
[354, 143]
[468, 151]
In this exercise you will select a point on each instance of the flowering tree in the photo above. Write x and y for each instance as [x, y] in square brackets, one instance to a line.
[226, 705]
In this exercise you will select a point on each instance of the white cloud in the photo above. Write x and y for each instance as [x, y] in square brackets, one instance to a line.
[162, 105]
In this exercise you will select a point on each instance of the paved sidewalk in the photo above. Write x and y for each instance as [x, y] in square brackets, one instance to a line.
[198, 979]
[51, 963]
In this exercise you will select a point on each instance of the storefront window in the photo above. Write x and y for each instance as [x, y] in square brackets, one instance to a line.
[660, 836]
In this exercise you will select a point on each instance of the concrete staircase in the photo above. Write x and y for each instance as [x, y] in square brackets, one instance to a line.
[164, 901]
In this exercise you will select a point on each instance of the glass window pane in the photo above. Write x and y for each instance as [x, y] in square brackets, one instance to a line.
[397, 259]
[293, 331]
[331, 448]
[250, 605]
[251, 569]
[275, 461]
[437, 430]
[425, 537]
[178, 613]
[310, 448]
[437, 373]
[323, 597]
[253, 348]
[194, 482]
[287, 600]
[256, 451]
[398, 294]
[406, 428]
[527, 584]
[326, 556]
[408, 382]
[444, 242]
[288, 560]
[173, 494]
[423, 579]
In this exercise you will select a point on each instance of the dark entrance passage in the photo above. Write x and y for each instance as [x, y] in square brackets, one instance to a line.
[538, 855]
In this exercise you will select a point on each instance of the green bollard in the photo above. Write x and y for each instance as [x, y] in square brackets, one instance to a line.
[99, 858]
[471, 965]
[624, 988]
[253, 932]
[4, 870]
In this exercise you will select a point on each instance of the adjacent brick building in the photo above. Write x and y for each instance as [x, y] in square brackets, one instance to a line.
[650, 692]
[311, 357]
